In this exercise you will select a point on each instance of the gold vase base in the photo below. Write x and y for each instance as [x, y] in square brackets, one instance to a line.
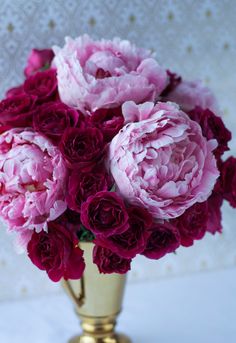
[116, 338]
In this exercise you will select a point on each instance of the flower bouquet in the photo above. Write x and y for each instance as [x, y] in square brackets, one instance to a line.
[101, 144]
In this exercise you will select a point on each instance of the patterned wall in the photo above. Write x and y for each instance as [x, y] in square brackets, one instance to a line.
[194, 38]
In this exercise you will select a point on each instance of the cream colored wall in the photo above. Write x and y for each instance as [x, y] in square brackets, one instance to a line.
[194, 38]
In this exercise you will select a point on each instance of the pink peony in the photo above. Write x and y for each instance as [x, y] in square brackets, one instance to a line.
[189, 94]
[162, 162]
[32, 180]
[101, 74]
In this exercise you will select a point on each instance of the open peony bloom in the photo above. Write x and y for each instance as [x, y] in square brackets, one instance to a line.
[101, 74]
[189, 94]
[162, 162]
[32, 181]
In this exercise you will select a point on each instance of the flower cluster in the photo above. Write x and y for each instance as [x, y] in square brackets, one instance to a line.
[102, 144]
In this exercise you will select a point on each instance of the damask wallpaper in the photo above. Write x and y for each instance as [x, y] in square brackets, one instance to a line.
[193, 38]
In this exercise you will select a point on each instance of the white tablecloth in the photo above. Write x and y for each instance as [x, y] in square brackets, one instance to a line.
[200, 308]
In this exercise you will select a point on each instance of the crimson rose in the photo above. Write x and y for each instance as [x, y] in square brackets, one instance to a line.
[108, 262]
[51, 119]
[15, 91]
[82, 185]
[133, 241]
[164, 238]
[214, 203]
[105, 214]
[17, 110]
[37, 60]
[82, 148]
[192, 224]
[212, 127]
[43, 85]
[109, 121]
[228, 179]
[57, 252]
[173, 81]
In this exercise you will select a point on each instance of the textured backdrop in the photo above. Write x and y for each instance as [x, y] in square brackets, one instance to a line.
[194, 38]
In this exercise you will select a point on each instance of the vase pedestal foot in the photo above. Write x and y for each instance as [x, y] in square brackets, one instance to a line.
[116, 338]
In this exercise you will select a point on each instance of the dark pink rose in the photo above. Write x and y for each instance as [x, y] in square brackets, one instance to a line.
[228, 179]
[43, 85]
[105, 214]
[17, 111]
[192, 224]
[109, 121]
[82, 148]
[164, 239]
[37, 60]
[214, 213]
[212, 127]
[173, 81]
[108, 262]
[57, 252]
[15, 91]
[82, 185]
[53, 118]
[134, 240]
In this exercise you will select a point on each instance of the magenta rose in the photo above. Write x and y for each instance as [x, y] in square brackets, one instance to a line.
[108, 120]
[38, 60]
[43, 85]
[228, 179]
[134, 240]
[82, 185]
[164, 239]
[173, 81]
[82, 148]
[214, 204]
[104, 74]
[108, 262]
[19, 90]
[212, 127]
[57, 252]
[105, 214]
[189, 94]
[192, 224]
[162, 162]
[17, 111]
[53, 118]
[33, 176]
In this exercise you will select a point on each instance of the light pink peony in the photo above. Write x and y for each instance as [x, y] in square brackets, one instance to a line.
[101, 74]
[162, 162]
[189, 94]
[32, 181]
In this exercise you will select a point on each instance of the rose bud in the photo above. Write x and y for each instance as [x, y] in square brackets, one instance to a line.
[82, 148]
[43, 85]
[164, 239]
[134, 240]
[53, 118]
[82, 185]
[192, 224]
[212, 128]
[57, 252]
[108, 120]
[105, 214]
[17, 111]
[228, 177]
[37, 60]
[109, 262]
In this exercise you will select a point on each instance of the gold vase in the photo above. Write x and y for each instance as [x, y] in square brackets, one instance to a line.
[98, 299]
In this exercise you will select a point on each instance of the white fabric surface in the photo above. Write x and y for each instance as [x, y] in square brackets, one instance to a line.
[200, 308]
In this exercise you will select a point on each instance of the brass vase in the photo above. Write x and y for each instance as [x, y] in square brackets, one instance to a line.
[98, 299]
